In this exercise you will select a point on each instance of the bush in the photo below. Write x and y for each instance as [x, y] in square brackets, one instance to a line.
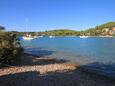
[2, 28]
[10, 48]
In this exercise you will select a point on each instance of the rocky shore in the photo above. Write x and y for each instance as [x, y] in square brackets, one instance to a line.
[45, 71]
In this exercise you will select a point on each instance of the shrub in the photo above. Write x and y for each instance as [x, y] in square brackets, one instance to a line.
[2, 28]
[10, 48]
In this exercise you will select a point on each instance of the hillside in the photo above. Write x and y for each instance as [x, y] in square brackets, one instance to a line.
[101, 30]
[109, 25]
[62, 32]
[104, 29]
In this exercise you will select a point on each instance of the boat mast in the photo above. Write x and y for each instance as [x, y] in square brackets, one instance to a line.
[26, 26]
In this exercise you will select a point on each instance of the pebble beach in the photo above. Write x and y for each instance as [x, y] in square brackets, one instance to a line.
[45, 71]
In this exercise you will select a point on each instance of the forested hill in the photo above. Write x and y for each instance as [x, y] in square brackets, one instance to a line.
[104, 29]
[62, 32]
[109, 25]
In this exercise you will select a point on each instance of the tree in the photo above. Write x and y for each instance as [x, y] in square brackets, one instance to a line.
[10, 48]
[2, 28]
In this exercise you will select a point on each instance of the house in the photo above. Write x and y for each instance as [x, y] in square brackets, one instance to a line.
[113, 28]
[112, 32]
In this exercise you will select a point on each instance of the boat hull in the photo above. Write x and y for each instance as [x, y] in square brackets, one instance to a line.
[83, 36]
[28, 38]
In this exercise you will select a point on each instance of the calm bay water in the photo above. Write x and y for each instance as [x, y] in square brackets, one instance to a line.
[95, 54]
[75, 49]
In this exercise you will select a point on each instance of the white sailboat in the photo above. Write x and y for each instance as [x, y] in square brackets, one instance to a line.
[28, 36]
[51, 36]
[83, 36]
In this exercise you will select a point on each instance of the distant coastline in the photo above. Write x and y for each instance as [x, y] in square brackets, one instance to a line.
[107, 30]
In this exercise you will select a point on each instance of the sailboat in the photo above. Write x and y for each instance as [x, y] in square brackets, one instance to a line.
[28, 36]
[51, 36]
[83, 36]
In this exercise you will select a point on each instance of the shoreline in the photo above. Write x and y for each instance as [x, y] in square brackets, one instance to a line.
[38, 70]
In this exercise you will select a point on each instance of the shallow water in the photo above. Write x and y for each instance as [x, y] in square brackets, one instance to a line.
[95, 54]
[75, 49]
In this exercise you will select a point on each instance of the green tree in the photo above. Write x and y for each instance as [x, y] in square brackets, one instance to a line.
[10, 48]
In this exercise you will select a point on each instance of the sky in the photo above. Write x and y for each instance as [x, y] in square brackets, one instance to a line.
[42, 15]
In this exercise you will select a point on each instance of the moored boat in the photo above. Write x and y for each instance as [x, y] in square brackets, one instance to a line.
[29, 37]
[83, 36]
[51, 36]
